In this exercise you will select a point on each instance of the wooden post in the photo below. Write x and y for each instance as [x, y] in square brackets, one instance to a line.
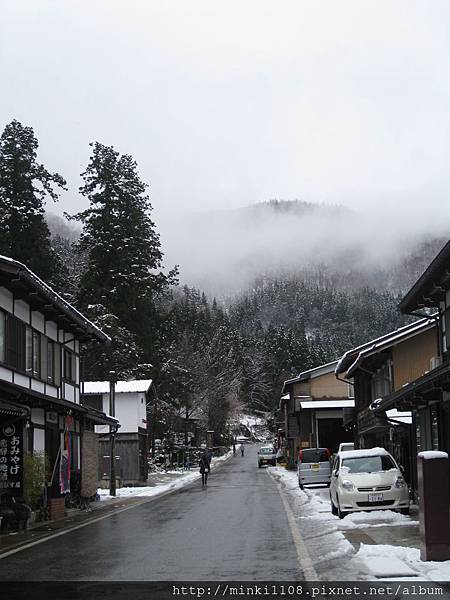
[432, 474]
[112, 433]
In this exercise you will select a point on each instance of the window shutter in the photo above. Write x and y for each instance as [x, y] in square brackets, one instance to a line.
[15, 343]
[43, 357]
[57, 365]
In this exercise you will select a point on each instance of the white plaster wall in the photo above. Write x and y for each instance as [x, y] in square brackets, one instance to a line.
[127, 410]
[142, 411]
[69, 392]
[38, 321]
[22, 310]
[38, 416]
[22, 380]
[51, 390]
[52, 330]
[6, 299]
[37, 386]
[38, 441]
[5, 374]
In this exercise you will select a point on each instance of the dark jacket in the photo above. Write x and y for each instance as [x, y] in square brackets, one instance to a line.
[204, 463]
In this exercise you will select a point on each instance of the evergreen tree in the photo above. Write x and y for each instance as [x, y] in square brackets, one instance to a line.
[25, 184]
[123, 257]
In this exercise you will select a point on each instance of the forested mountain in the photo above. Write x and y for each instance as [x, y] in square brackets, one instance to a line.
[241, 347]
[298, 284]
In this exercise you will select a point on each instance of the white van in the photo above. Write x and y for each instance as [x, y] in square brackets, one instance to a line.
[346, 447]
[313, 466]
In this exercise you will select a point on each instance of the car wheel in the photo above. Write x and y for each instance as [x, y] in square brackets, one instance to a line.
[333, 508]
[340, 513]
[259, 466]
[404, 511]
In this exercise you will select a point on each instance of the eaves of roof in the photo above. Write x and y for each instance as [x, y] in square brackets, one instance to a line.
[416, 387]
[12, 269]
[352, 358]
[437, 269]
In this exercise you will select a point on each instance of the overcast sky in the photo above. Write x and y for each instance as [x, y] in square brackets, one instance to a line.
[228, 103]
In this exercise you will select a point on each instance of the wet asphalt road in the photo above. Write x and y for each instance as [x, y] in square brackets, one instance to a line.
[236, 528]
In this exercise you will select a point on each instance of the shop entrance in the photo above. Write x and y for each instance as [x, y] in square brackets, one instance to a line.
[331, 433]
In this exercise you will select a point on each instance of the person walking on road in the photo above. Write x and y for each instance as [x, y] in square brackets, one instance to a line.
[204, 467]
[234, 448]
[242, 448]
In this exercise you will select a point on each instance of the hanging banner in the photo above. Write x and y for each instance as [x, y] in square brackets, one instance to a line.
[11, 459]
[64, 463]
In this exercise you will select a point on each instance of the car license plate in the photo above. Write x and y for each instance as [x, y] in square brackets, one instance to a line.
[264, 460]
[315, 466]
[375, 497]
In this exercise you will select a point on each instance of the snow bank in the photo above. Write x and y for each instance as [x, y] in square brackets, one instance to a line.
[375, 518]
[435, 571]
[185, 477]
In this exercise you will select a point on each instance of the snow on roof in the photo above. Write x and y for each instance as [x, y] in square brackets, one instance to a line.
[401, 416]
[364, 452]
[386, 340]
[122, 387]
[311, 373]
[328, 404]
[55, 296]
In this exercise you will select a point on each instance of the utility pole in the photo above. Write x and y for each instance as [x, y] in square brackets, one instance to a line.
[153, 422]
[112, 433]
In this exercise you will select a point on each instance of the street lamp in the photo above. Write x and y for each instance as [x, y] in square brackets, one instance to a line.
[112, 433]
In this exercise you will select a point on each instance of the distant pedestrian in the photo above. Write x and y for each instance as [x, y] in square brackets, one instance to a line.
[204, 467]
[234, 448]
[242, 449]
[210, 455]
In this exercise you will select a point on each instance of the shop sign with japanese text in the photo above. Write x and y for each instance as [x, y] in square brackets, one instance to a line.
[11, 459]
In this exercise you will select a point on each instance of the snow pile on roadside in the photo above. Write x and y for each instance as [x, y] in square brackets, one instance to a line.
[146, 491]
[434, 571]
[312, 508]
[375, 518]
[185, 477]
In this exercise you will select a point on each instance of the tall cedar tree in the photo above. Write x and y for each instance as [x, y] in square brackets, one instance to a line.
[24, 186]
[123, 257]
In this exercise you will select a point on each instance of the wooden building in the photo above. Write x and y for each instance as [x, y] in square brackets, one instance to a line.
[40, 410]
[379, 369]
[311, 408]
[131, 401]
[428, 395]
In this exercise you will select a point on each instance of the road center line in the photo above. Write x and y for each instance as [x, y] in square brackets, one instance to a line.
[304, 559]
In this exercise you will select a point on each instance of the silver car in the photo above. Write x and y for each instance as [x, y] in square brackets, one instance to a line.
[314, 466]
[267, 456]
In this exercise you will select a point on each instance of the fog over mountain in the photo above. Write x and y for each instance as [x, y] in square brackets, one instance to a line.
[224, 251]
